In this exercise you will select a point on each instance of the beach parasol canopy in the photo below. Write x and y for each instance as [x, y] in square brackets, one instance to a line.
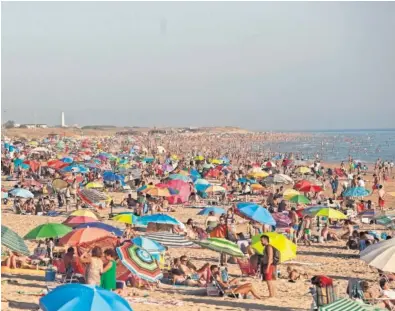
[303, 170]
[255, 212]
[139, 262]
[126, 218]
[114, 230]
[84, 212]
[201, 181]
[289, 193]
[302, 184]
[380, 255]
[312, 209]
[258, 174]
[216, 210]
[329, 213]
[282, 220]
[149, 245]
[299, 199]
[13, 241]
[73, 221]
[22, 193]
[286, 248]
[282, 179]
[170, 239]
[215, 188]
[356, 192]
[73, 297]
[180, 177]
[347, 304]
[59, 184]
[158, 192]
[94, 185]
[159, 219]
[84, 235]
[221, 246]
[49, 230]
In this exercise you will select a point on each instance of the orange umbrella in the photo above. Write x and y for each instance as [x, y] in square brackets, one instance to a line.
[73, 221]
[84, 235]
[159, 192]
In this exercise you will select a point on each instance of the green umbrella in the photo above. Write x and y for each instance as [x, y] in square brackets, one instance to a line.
[299, 199]
[50, 230]
[221, 246]
[13, 241]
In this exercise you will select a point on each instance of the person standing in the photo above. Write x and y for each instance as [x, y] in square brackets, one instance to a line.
[335, 186]
[94, 267]
[268, 269]
[108, 278]
[381, 197]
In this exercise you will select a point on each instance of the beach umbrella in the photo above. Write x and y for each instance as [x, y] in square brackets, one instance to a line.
[312, 209]
[221, 246]
[215, 188]
[110, 176]
[139, 262]
[282, 220]
[159, 219]
[49, 230]
[93, 195]
[255, 212]
[67, 160]
[149, 245]
[270, 164]
[114, 230]
[94, 185]
[311, 188]
[84, 212]
[13, 241]
[22, 193]
[158, 192]
[289, 193]
[169, 239]
[347, 304]
[199, 158]
[84, 235]
[380, 255]
[258, 174]
[329, 213]
[356, 192]
[282, 179]
[73, 221]
[257, 187]
[4, 195]
[179, 177]
[126, 218]
[299, 199]
[208, 209]
[303, 170]
[73, 297]
[286, 248]
[201, 181]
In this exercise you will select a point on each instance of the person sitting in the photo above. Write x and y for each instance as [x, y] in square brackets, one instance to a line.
[191, 272]
[353, 241]
[328, 235]
[39, 252]
[178, 276]
[294, 275]
[387, 292]
[231, 287]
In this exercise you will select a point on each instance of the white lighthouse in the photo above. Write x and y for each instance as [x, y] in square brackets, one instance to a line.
[62, 120]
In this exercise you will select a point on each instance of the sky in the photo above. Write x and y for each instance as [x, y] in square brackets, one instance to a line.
[256, 65]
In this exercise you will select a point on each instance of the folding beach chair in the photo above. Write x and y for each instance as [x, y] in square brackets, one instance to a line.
[247, 269]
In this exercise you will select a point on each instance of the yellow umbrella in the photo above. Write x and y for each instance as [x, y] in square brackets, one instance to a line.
[260, 174]
[330, 213]
[199, 158]
[174, 157]
[286, 248]
[86, 213]
[215, 188]
[159, 192]
[289, 193]
[94, 184]
[303, 170]
[257, 187]
[216, 161]
[33, 143]
[125, 218]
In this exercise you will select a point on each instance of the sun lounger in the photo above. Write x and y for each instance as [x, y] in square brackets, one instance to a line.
[5, 270]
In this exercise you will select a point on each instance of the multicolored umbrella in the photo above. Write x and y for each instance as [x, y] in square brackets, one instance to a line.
[139, 262]
[221, 246]
[84, 212]
[72, 297]
[215, 188]
[170, 239]
[73, 221]
[289, 193]
[100, 225]
[85, 235]
[13, 241]
[158, 192]
[329, 213]
[299, 199]
[255, 212]
[149, 245]
[49, 230]
[286, 248]
[126, 218]
[349, 305]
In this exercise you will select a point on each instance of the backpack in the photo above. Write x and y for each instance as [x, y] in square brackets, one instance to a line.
[276, 256]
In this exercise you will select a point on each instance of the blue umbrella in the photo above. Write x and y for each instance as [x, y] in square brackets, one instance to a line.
[100, 225]
[201, 187]
[356, 192]
[78, 297]
[110, 176]
[255, 212]
[149, 245]
[195, 173]
[67, 160]
[22, 193]
[18, 162]
[201, 181]
[217, 210]
[148, 160]
[157, 218]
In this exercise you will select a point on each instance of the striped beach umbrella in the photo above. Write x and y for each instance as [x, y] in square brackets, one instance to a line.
[13, 241]
[221, 246]
[349, 305]
[93, 198]
[139, 262]
[170, 239]
[114, 230]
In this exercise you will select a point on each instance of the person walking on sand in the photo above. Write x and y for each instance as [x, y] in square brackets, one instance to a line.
[267, 265]
[381, 197]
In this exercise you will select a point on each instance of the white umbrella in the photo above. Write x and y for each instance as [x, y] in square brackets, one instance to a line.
[380, 255]
[282, 179]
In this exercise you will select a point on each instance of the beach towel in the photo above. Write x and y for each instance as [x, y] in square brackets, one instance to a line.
[148, 301]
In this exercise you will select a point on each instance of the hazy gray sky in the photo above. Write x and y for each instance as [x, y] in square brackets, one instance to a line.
[259, 65]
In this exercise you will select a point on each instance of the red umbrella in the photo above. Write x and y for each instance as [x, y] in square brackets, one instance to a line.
[310, 188]
[84, 236]
[57, 164]
[73, 221]
[33, 165]
[302, 184]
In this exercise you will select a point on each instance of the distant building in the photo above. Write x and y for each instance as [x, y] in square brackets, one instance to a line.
[32, 126]
[62, 123]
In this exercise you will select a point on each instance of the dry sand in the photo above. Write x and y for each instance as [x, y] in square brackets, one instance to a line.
[330, 259]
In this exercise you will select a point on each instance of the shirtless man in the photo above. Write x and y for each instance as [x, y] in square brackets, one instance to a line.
[192, 272]
[381, 197]
[294, 223]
